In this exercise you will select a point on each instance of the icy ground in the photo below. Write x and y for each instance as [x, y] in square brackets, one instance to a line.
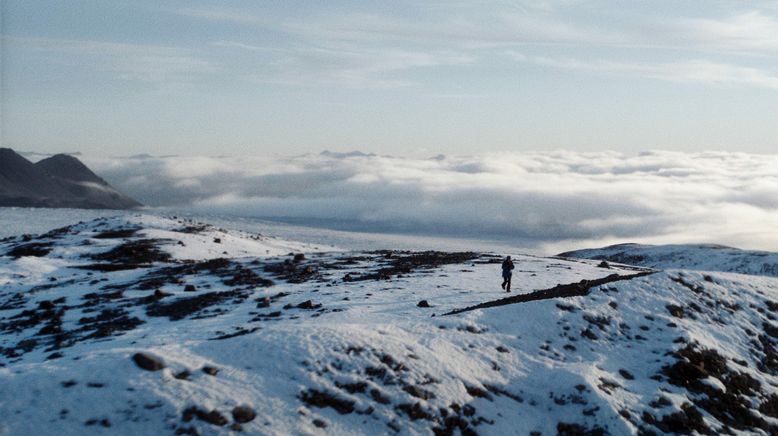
[703, 257]
[144, 325]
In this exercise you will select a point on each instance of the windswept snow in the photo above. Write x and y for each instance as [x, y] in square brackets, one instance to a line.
[315, 342]
[702, 257]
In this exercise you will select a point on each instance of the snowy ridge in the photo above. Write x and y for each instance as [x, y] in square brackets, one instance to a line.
[701, 257]
[108, 327]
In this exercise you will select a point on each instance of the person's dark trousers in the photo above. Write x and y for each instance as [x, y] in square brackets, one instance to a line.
[506, 282]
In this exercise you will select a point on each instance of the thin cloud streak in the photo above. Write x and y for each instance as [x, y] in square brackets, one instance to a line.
[693, 71]
[141, 62]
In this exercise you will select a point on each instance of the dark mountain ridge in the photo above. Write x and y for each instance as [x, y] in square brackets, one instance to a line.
[58, 181]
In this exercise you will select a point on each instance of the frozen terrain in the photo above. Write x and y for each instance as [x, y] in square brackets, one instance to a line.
[703, 257]
[147, 325]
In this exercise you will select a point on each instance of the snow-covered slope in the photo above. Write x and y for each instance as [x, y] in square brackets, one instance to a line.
[114, 327]
[701, 257]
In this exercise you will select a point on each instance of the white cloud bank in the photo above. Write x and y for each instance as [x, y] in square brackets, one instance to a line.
[546, 201]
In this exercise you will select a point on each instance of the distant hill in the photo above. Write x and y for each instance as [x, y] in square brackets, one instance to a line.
[701, 257]
[57, 181]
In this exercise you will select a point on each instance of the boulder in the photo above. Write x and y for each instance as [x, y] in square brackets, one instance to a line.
[148, 362]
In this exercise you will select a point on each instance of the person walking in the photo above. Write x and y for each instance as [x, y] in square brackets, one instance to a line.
[507, 273]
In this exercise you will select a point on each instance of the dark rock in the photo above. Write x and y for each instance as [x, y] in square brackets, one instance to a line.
[182, 307]
[353, 388]
[588, 333]
[148, 362]
[212, 417]
[401, 265]
[32, 250]
[423, 303]
[308, 305]
[190, 288]
[415, 411]
[158, 294]
[770, 406]
[626, 374]
[183, 375]
[567, 429]
[477, 392]
[117, 234]
[604, 264]
[686, 421]
[660, 402]
[676, 311]
[210, 370]
[322, 399]
[419, 392]
[379, 397]
[243, 414]
[299, 257]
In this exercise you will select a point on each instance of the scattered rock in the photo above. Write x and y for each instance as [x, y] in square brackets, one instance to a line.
[183, 375]
[210, 370]
[190, 288]
[308, 305]
[69, 383]
[477, 392]
[322, 399]
[423, 303]
[243, 414]
[588, 333]
[46, 305]
[419, 392]
[148, 362]
[676, 311]
[415, 411]
[212, 417]
[567, 429]
[35, 249]
[158, 294]
[379, 397]
[182, 307]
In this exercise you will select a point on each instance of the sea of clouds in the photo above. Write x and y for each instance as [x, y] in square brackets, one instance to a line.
[546, 201]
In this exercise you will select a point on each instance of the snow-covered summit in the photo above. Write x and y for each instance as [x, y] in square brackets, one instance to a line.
[701, 257]
[105, 328]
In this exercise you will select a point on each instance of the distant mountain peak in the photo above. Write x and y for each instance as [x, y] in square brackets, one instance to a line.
[69, 168]
[339, 155]
[57, 181]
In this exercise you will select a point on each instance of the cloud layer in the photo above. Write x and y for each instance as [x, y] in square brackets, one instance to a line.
[546, 201]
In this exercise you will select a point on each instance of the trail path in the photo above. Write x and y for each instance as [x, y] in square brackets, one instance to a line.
[559, 291]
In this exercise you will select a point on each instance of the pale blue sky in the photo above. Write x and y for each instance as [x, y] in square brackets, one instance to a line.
[406, 78]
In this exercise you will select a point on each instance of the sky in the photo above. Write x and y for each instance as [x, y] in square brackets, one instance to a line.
[407, 78]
